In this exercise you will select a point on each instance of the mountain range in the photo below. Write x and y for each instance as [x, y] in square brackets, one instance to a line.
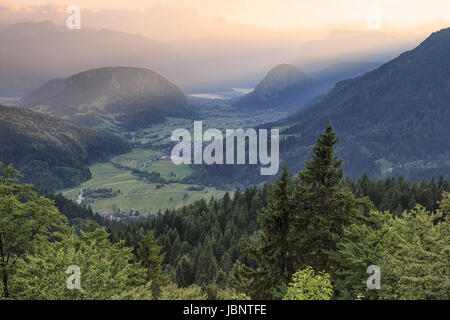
[394, 120]
[391, 121]
[39, 51]
[345, 46]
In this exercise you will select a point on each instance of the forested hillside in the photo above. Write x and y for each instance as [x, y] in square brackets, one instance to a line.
[50, 152]
[203, 242]
[394, 120]
[309, 236]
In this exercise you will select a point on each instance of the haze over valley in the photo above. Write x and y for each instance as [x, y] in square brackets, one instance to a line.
[142, 80]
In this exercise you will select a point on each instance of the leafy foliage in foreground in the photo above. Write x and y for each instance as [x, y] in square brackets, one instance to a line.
[37, 246]
[25, 219]
[412, 250]
[306, 285]
[106, 270]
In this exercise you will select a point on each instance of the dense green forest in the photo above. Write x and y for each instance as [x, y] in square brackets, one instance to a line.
[308, 236]
[50, 152]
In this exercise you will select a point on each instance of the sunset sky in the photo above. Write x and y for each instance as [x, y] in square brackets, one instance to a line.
[233, 43]
[278, 14]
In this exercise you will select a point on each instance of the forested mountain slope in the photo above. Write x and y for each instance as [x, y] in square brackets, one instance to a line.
[50, 152]
[393, 120]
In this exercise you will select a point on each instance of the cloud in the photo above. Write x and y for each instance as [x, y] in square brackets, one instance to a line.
[9, 5]
[159, 22]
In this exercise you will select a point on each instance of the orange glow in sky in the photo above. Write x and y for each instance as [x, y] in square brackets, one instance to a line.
[278, 14]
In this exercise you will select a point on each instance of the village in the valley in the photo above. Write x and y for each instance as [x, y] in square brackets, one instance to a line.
[118, 216]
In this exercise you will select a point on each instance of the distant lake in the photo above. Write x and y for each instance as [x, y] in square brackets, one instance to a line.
[226, 94]
[8, 100]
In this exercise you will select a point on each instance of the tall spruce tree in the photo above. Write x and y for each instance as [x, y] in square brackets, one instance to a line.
[276, 251]
[323, 207]
[273, 249]
[300, 226]
[151, 258]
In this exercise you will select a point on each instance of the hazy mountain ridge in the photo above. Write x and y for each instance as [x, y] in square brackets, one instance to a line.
[287, 88]
[38, 51]
[52, 153]
[342, 45]
[49, 90]
[279, 79]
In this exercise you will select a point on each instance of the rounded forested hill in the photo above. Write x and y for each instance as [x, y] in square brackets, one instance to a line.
[286, 88]
[278, 89]
[50, 152]
[128, 93]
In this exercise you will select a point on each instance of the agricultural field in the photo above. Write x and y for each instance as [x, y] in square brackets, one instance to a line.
[151, 155]
[143, 196]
